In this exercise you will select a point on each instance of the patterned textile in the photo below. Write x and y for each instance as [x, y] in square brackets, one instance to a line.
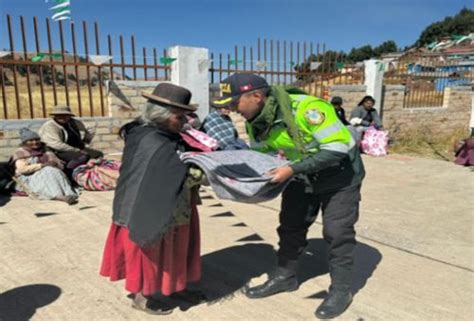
[47, 183]
[199, 140]
[221, 128]
[375, 142]
[97, 175]
[42, 155]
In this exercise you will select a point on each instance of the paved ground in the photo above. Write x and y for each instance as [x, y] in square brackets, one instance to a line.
[414, 258]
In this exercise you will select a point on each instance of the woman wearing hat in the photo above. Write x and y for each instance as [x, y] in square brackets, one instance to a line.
[39, 172]
[154, 241]
[68, 137]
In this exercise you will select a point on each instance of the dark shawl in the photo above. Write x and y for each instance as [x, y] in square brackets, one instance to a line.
[151, 178]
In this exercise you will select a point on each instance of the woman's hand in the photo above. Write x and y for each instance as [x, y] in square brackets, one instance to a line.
[281, 174]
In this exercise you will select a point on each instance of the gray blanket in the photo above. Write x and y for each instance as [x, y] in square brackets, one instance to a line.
[239, 175]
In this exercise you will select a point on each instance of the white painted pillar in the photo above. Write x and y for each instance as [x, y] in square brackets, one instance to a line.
[190, 70]
[374, 70]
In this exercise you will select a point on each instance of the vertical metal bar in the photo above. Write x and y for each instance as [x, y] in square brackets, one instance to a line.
[53, 68]
[99, 69]
[133, 58]
[145, 73]
[236, 56]
[271, 61]
[76, 68]
[323, 70]
[258, 53]
[220, 67]
[292, 66]
[228, 65]
[40, 68]
[304, 60]
[4, 97]
[61, 38]
[212, 68]
[318, 73]
[111, 70]
[265, 56]
[15, 80]
[88, 71]
[155, 63]
[251, 59]
[244, 58]
[311, 54]
[285, 61]
[165, 54]
[122, 57]
[278, 61]
[25, 55]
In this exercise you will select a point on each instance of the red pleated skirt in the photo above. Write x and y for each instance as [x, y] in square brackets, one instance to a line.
[166, 267]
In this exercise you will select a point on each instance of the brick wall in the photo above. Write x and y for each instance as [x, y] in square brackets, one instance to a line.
[106, 138]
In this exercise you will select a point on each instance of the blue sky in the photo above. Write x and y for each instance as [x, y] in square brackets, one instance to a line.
[219, 25]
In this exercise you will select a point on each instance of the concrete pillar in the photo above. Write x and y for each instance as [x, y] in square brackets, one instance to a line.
[374, 71]
[189, 71]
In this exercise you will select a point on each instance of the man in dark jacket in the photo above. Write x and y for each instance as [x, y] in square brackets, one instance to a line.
[341, 113]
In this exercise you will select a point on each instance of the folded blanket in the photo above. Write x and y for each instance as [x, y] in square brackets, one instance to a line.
[239, 175]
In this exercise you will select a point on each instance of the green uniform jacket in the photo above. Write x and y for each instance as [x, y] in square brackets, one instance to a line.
[308, 132]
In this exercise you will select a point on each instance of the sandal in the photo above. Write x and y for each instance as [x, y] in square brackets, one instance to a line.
[150, 306]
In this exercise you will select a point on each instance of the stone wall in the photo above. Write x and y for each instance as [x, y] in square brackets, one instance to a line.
[448, 119]
[106, 138]
[350, 94]
[452, 117]
[125, 99]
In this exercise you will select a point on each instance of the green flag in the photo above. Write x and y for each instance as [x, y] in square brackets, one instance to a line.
[167, 60]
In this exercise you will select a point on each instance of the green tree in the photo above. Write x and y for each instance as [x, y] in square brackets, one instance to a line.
[461, 24]
[385, 47]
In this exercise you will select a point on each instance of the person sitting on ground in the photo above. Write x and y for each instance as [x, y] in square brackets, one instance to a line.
[365, 115]
[39, 172]
[68, 137]
[219, 126]
[341, 113]
[464, 152]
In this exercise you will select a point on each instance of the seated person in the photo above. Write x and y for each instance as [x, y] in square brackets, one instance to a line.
[341, 113]
[39, 172]
[68, 137]
[464, 152]
[365, 115]
[219, 126]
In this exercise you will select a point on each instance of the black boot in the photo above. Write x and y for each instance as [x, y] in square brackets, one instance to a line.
[336, 302]
[282, 280]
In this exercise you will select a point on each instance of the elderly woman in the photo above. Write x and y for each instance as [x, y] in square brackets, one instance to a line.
[154, 240]
[39, 172]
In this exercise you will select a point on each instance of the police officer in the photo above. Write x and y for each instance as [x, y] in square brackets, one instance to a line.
[326, 173]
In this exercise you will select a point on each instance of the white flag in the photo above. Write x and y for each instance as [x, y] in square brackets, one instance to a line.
[99, 60]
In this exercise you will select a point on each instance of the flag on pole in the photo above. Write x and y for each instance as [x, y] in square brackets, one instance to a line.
[61, 10]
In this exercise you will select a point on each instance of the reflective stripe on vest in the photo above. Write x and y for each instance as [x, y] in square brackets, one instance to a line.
[338, 147]
[328, 131]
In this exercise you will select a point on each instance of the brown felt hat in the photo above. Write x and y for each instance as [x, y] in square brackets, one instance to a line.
[171, 95]
[62, 110]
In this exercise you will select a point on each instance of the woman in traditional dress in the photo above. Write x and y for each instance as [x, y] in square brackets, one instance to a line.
[39, 172]
[154, 241]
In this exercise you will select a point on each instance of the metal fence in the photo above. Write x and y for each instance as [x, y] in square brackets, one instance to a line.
[428, 79]
[65, 69]
[306, 65]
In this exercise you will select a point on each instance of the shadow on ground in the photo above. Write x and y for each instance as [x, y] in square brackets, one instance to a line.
[20, 304]
[227, 271]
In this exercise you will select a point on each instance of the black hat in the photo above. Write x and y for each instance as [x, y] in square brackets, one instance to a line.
[172, 96]
[234, 86]
[336, 100]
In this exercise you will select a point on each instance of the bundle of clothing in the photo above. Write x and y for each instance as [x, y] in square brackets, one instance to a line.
[238, 175]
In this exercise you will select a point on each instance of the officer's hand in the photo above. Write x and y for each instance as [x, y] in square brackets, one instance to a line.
[281, 174]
